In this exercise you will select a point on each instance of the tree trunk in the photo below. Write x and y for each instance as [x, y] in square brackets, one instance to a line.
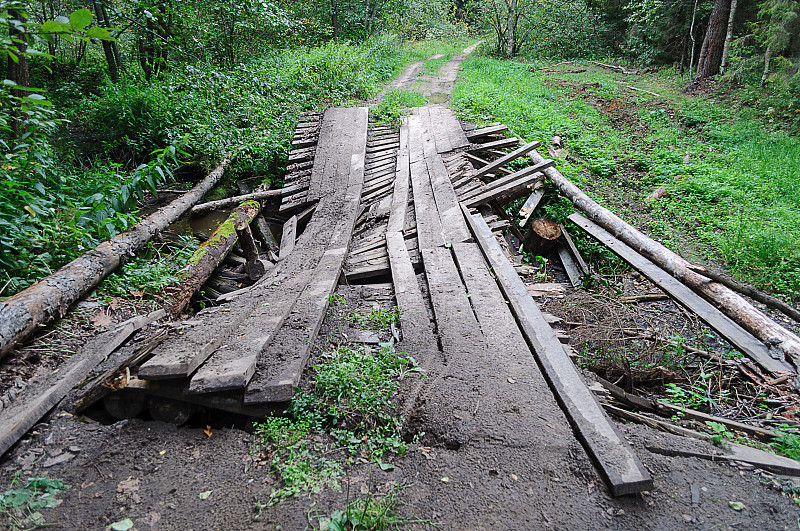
[222, 203]
[17, 71]
[692, 38]
[714, 41]
[335, 19]
[114, 47]
[728, 36]
[209, 255]
[512, 8]
[767, 61]
[113, 72]
[50, 297]
[729, 302]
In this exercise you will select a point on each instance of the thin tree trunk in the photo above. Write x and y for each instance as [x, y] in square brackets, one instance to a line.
[113, 73]
[691, 36]
[729, 302]
[209, 255]
[767, 61]
[714, 41]
[335, 19]
[51, 297]
[512, 7]
[728, 36]
[114, 47]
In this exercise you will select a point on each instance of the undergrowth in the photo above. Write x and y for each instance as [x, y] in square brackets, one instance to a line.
[21, 506]
[395, 105]
[733, 177]
[347, 411]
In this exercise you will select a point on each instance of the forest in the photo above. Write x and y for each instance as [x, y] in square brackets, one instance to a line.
[108, 101]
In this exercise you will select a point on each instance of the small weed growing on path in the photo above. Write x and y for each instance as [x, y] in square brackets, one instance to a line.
[368, 513]
[377, 319]
[21, 507]
[787, 443]
[721, 435]
[395, 104]
[351, 399]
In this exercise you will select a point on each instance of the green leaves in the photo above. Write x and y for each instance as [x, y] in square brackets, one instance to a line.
[80, 19]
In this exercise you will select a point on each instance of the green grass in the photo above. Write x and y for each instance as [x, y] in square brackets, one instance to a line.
[395, 105]
[21, 505]
[735, 199]
[351, 399]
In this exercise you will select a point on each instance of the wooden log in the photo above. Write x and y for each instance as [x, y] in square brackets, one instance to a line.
[724, 326]
[542, 235]
[51, 296]
[750, 291]
[209, 255]
[616, 460]
[229, 201]
[732, 304]
[21, 416]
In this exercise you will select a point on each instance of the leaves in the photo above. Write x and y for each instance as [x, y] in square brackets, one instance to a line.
[122, 525]
[80, 18]
[205, 494]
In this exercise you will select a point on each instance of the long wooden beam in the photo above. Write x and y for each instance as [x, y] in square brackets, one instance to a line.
[615, 458]
[502, 161]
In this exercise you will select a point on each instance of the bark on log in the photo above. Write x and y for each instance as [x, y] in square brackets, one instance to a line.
[209, 255]
[750, 291]
[51, 296]
[729, 302]
[222, 203]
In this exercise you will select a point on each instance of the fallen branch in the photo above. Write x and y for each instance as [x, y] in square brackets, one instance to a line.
[750, 291]
[229, 201]
[52, 296]
[642, 90]
[551, 67]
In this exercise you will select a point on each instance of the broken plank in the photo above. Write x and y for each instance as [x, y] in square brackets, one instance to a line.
[483, 162]
[288, 238]
[574, 251]
[570, 267]
[735, 453]
[721, 323]
[518, 178]
[509, 190]
[519, 152]
[530, 205]
[23, 414]
[615, 458]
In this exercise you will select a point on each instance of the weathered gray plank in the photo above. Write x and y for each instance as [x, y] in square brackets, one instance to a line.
[530, 205]
[570, 267]
[288, 238]
[485, 131]
[721, 323]
[519, 152]
[41, 396]
[615, 458]
[584, 269]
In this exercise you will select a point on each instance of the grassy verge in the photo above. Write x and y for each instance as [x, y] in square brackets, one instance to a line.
[733, 176]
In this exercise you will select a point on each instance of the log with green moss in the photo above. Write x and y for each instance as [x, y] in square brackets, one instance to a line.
[209, 255]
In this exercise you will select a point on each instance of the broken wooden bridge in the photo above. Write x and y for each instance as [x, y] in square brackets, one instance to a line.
[419, 205]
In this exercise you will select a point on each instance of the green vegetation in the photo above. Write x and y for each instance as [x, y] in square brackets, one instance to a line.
[368, 513]
[351, 399]
[395, 105]
[787, 443]
[731, 174]
[21, 506]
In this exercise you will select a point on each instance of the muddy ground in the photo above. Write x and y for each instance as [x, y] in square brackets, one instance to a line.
[531, 473]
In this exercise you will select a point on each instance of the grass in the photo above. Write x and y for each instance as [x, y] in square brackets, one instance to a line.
[733, 199]
[395, 105]
[351, 400]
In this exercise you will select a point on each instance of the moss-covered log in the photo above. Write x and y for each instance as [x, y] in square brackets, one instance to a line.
[209, 255]
[52, 296]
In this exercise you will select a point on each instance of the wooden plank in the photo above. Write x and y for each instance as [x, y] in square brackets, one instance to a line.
[273, 381]
[449, 122]
[446, 199]
[508, 191]
[485, 131]
[495, 145]
[429, 228]
[289, 237]
[517, 178]
[431, 116]
[721, 323]
[735, 453]
[570, 267]
[502, 161]
[342, 131]
[530, 205]
[574, 251]
[618, 463]
[483, 162]
[397, 216]
[41, 396]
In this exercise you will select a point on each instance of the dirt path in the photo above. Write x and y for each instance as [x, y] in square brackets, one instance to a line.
[497, 452]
